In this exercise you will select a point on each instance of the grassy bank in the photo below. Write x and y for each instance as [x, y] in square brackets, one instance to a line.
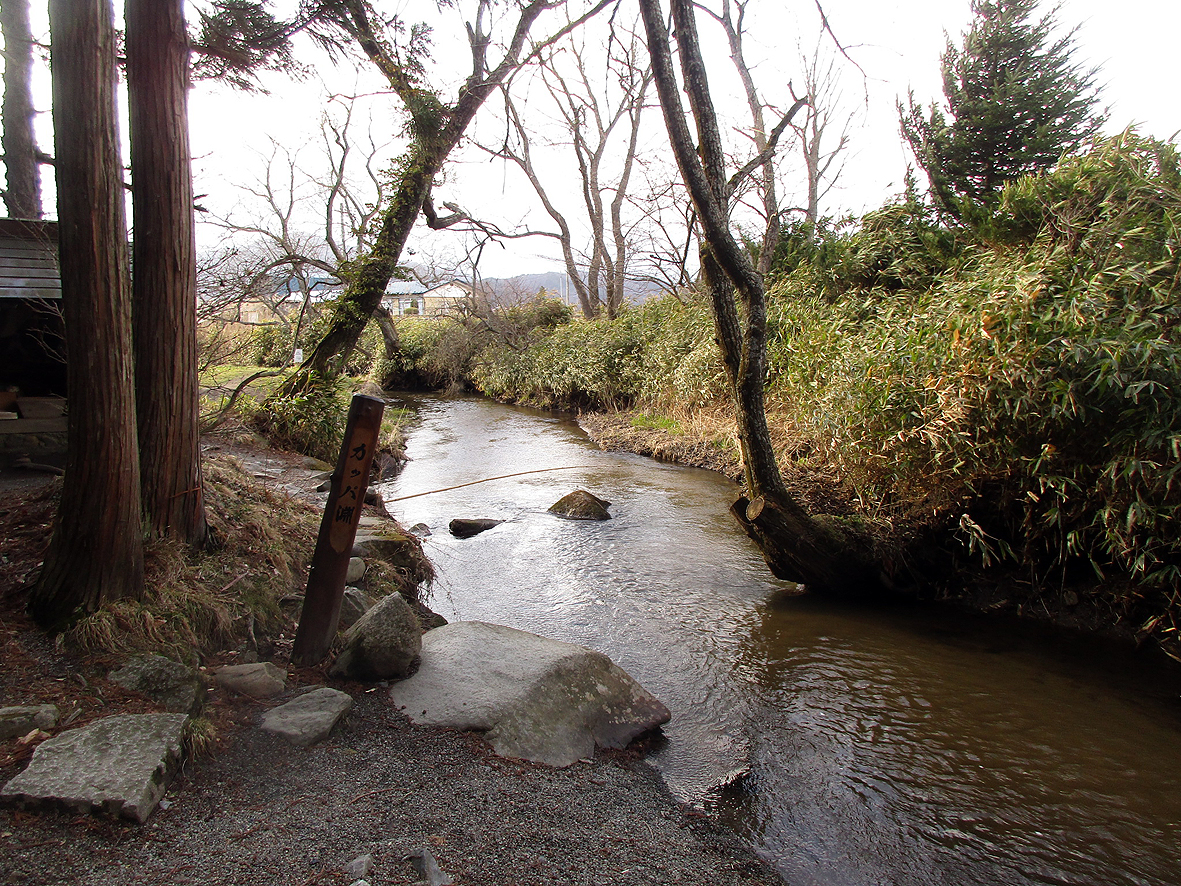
[1001, 399]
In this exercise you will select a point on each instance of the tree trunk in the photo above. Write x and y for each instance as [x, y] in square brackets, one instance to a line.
[164, 285]
[21, 162]
[796, 546]
[96, 552]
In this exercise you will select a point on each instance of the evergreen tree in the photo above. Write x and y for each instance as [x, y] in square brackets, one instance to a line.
[1016, 100]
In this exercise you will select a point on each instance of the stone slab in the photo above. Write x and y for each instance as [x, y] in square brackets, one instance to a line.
[258, 680]
[120, 765]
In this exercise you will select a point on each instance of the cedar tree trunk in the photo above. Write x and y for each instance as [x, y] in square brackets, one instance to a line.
[164, 285]
[96, 552]
[21, 161]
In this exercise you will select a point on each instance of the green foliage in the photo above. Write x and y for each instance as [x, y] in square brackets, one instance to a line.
[238, 38]
[436, 353]
[270, 345]
[1017, 105]
[661, 354]
[655, 422]
[898, 247]
[1031, 387]
[310, 421]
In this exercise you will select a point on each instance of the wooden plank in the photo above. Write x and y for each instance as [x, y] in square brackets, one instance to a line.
[11, 273]
[28, 229]
[31, 293]
[20, 264]
[33, 426]
[29, 283]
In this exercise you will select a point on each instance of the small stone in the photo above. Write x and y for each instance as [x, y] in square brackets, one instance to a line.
[356, 570]
[354, 604]
[383, 642]
[388, 545]
[420, 529]
[427, 868]
[360, 867]
[20, 720]
[175, 686]
[310, 717]
[260, 680]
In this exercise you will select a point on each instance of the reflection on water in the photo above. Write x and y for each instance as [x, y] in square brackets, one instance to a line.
[886, 747]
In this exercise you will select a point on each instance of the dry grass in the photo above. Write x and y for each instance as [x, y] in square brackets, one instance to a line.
[200, 602]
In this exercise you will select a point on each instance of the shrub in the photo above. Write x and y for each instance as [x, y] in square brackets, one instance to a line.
[1034, 378]
[311, 421]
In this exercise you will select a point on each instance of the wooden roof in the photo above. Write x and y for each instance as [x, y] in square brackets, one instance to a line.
[28, 259]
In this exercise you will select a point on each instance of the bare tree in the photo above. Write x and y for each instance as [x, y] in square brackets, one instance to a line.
[795, 545]
[732, 19]
[814, 136]
[279, 256]
[436, 128]
[670, 232]
[591, 113]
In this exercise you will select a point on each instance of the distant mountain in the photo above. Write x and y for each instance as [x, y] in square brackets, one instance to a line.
[557, 283]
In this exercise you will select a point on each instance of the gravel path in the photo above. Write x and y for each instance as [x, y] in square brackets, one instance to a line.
[260, 811]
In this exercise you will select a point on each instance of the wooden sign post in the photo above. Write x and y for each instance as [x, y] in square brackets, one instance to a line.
[338, 530]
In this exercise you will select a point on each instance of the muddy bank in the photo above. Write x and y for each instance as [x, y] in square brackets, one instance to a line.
[616, 432]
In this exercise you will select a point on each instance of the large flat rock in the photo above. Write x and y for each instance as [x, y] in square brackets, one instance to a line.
[120, 765]
[538, 699]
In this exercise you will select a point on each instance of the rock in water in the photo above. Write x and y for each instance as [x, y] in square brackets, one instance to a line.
[538, 699]
[581, 505]
[120, 765]
[382, 643]
[464, 528]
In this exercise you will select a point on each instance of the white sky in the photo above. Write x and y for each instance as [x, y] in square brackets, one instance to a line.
[897, 44]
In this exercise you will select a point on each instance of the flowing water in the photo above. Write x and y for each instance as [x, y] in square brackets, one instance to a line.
[849, 745]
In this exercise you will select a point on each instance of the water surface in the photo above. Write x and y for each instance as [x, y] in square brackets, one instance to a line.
[850, 745]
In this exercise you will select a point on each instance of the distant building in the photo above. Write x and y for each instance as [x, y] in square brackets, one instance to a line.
[410, 298]
[288, 298]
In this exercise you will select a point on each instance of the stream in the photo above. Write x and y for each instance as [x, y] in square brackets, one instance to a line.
[850, 745]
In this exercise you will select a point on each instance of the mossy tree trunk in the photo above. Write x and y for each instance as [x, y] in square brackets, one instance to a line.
[797, 546]
[437, 128]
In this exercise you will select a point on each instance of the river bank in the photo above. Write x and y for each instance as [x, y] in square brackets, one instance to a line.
[1086, 606]
[254, 809]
